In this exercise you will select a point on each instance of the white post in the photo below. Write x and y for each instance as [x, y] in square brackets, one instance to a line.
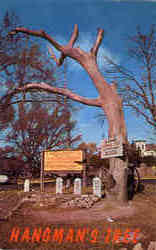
[27, 185]
[59, 185]
[77, 186]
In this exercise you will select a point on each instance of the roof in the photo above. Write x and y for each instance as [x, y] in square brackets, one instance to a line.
[151, 147]
[139, 141]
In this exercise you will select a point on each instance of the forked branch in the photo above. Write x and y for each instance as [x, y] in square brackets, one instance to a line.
[59, 47]
[108, 98]
[66, 50]
[59, 61]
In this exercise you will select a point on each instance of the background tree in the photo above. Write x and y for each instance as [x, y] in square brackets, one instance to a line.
[93, 158]
[21, 61]
[90, 147]
[138, 87]
[37, 129]
[90, 150]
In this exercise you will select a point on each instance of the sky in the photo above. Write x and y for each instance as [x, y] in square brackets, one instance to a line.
[118, 18]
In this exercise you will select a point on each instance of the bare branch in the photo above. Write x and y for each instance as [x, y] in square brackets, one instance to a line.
[66, 92]
[139, 111]
[150, 85]
[44, 35]
[129, 75]
[136, 93]
[59, 61]
[74, 36]
[28, 101]
[40, 33]
[96, 46]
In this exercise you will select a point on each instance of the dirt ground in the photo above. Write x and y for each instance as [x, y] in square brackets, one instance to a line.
[35, 227]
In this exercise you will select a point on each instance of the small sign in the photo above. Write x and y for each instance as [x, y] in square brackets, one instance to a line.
[111, 148]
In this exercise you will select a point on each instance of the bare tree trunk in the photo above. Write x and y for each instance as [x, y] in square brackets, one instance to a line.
[118, 169]
[108, 99]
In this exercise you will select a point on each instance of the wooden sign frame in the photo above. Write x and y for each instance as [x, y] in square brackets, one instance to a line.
[80, 161]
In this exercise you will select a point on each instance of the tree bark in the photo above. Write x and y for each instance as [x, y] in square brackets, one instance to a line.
[119, 171]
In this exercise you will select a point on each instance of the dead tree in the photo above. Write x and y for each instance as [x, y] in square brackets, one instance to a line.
[108, 98]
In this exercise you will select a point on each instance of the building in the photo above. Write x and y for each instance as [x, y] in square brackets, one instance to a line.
[146, 149]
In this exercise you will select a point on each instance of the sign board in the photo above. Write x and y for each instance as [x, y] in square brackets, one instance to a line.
[63, 160]
[111, 148]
